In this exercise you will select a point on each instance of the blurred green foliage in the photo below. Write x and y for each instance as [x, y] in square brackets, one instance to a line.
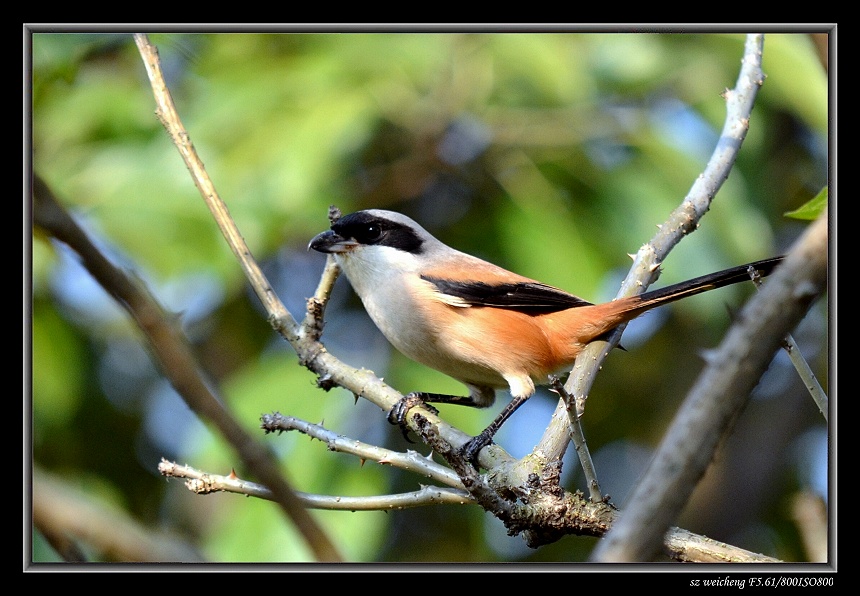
[553, 154]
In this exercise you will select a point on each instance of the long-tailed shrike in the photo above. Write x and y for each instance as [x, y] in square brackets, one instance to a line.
[474, 321]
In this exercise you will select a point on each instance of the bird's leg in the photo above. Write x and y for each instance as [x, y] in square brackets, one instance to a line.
[472, 448]
[397, 414]
[479, 397]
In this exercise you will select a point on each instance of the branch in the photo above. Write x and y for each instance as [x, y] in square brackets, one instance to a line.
[688, 547]
[718, 397]
[646, 263]
[560, 512]
[65, 516]
[411, 461]
[303, 338]
[807, 376]
[204, 483]
[544, 512]
[174, 357]
[169, 117]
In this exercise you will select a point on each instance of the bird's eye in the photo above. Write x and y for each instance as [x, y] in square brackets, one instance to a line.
[371, 233]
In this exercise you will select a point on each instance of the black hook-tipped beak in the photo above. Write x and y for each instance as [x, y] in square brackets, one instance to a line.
[330, 242]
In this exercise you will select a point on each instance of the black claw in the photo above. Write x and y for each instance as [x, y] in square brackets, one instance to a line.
[470, 450]
[404, 430]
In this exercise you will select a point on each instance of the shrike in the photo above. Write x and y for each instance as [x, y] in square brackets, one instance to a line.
[474, 321]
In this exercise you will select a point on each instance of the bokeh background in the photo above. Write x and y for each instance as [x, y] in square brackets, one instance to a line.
[552, 154]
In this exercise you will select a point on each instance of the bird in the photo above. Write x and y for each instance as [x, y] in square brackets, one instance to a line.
[487, 327]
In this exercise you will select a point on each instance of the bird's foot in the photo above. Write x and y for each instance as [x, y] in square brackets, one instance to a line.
[397, 414]
[472, 448]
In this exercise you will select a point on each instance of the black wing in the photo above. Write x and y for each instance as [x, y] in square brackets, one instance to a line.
[527, 297]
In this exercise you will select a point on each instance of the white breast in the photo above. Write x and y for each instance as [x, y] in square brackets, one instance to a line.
[385, 279]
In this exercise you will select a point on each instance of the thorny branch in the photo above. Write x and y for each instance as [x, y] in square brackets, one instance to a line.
[528, 499]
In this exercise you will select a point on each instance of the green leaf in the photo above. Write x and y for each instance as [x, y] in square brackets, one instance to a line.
[812, 208]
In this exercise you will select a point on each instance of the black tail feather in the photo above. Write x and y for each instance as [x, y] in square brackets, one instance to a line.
[711, 281]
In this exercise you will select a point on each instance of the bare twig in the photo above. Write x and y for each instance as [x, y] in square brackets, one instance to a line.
[66, 516]
[578, 437]
[312, 326]
[543, 512]
[279, 316]
[410, 461]
[800, 364]
[303, 338]
[175, 359]
[204, 483]
[646, 263]
[689, 547]
[717, 398]
[169, 117]
[807, 376]
[312, 354]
